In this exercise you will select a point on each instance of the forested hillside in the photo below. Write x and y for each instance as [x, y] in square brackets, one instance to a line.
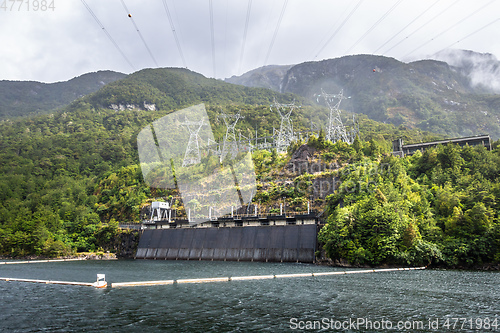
[439, 207]
[64, 174]
[21, 98]
[68, 178]
[171, 88]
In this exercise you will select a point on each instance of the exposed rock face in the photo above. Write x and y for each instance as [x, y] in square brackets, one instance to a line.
[100, 256]
[121, 107]
[299, 163]
[303, 161]
[124, 245]
[127, 246]
[304, 152]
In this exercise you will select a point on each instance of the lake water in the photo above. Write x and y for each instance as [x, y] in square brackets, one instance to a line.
[423, 301]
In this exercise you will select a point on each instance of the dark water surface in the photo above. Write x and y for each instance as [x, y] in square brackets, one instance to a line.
[360, 302]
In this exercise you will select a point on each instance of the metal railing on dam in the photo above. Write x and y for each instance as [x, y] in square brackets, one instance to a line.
[284, 243]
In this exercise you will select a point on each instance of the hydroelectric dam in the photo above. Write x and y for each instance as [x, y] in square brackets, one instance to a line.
[277, 239]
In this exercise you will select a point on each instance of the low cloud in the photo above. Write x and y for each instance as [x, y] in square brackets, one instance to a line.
[483, 69]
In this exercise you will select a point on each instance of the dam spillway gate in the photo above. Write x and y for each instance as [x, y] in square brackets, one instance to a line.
[285, 243]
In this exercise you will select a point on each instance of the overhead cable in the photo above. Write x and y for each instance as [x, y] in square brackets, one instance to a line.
[406, 26]
[423, 25]
[249, 8]
[449, 28]
[172, 27]
[276, 31]
[340, 27]
[374, 26]
[469, 35]
[107, 33]
[211, 8]
[138, 32]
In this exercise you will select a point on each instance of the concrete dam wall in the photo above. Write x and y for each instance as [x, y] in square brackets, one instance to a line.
[292, 243]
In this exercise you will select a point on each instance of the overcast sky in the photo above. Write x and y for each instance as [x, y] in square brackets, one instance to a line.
[65, 41]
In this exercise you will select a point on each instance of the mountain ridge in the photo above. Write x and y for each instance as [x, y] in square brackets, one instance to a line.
[173, 88]
[22, 98]
[427, 94]
[430, 94]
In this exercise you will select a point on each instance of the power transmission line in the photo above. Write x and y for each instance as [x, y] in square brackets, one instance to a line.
[174, 33]
[406, 26]
[225, 40]
[449, 28]
[276, 31]
[423, 25]
[469, 35]
[211, 8]
[138, 32]
[331, 29]
[374, 26]
[340, 27]
[249, 7]
[107, 33]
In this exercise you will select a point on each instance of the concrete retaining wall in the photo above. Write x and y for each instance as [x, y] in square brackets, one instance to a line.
[263, 243]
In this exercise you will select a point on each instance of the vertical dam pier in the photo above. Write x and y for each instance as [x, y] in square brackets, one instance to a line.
[278, 243]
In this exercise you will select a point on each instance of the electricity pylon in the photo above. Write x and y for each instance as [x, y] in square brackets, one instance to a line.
[230, 144]
[192, 155]
[285, 135]
[336, 130]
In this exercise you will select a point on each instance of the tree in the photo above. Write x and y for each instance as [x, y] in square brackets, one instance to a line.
[357, 144]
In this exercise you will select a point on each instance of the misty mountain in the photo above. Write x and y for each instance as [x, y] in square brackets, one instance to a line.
[264, 77]
[21, 98]
[427, 94]
[483, 69]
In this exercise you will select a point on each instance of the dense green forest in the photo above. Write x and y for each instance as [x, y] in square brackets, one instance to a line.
[439, 207]
[67, 179]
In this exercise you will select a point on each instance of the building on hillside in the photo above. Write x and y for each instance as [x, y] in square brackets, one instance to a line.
[160, 211]
[400, 149]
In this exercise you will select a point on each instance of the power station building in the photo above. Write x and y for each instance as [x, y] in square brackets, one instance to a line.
[400, 149]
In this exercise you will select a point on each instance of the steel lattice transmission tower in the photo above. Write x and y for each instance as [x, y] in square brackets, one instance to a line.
[192, 155]
[285, 134]
[336, 130]
[230, 144]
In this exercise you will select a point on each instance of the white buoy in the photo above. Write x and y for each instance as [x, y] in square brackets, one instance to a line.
[101, 281]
